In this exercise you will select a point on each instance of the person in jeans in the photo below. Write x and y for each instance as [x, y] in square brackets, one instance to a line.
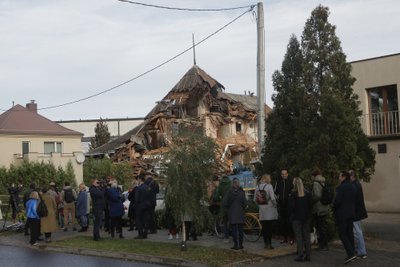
[319, 210]
[344, 211]
[299, 208]
[360, 214]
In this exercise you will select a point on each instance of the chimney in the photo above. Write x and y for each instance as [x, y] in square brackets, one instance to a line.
[32, 106]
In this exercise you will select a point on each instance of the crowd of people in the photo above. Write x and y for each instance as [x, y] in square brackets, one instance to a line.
[288, 202]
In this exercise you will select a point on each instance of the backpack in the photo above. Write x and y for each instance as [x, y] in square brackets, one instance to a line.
[69, 196]
[41, 209]
[261, 196]
[327, 194]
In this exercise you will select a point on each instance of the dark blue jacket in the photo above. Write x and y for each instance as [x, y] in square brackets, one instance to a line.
[344, 204]
[143, 197]
[81, 204]
[116, 206]
[97, 196]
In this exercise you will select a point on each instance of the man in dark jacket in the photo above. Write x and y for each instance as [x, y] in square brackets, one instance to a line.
[283, 188]
[344, 211]
[142, 207]
[98, 206]
[154, 190]
[221, 193]
[235, 203]
[360, 214]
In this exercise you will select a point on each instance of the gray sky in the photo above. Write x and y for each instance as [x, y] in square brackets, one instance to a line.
[57, 51]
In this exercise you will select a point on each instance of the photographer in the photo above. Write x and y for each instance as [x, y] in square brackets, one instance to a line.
[98, 205]
[14, 191]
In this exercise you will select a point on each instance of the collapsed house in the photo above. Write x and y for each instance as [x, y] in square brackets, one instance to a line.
[197, 100]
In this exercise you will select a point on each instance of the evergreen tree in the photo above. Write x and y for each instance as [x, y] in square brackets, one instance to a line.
[319, 108]
[187, 166]
[102, 135]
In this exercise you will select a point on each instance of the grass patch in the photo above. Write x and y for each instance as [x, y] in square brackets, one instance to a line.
[210, 256]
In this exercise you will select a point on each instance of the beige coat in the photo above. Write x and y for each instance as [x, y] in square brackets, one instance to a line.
[48, 224]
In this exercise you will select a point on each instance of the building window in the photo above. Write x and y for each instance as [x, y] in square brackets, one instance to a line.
[238, 127]
[51, 147]
[384, 110]
[25, 147]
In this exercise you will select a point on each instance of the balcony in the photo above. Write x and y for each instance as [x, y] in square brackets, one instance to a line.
[384, 123]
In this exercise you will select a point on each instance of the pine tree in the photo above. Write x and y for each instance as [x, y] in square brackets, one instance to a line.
[323, 128]
[102, 135]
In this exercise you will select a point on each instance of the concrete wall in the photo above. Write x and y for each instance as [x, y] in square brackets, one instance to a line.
[115, 126]
[381, 194]
[11, 146]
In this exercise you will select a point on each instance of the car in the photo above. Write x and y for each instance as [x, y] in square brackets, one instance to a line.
[160, 204]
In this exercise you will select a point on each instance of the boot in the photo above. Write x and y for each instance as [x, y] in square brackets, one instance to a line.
[121, 236]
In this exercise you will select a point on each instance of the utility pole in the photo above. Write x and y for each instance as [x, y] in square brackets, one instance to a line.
[260, 76]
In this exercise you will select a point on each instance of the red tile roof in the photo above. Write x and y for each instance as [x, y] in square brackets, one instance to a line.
[19, 120]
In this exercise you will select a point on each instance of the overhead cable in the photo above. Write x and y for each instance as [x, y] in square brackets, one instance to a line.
[152, 69]
[186, 9]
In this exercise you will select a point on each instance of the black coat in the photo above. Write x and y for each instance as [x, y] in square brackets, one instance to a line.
[299, 208]
[344, 204]
[98, 198]
[360, 210]
[282, 190]
[235, 203]
[143, 197]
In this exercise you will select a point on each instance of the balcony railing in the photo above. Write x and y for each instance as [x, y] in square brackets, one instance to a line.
[384, 123]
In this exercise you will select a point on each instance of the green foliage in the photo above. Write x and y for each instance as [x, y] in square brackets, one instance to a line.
[102, 135]
[315, 120]
[40, 173]
[187, 166]
[102, 168]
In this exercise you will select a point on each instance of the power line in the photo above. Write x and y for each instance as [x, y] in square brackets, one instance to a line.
[152, 69]
[186, 9]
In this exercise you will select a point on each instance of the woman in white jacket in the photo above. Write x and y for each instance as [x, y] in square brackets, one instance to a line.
[267, 211]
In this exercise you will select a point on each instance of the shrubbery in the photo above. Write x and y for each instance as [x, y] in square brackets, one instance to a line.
[41, 173]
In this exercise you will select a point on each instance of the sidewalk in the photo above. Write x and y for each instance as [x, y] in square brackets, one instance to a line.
[382, 233]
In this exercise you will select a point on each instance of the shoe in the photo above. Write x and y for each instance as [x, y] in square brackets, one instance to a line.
[234, 248]
[284, 241]
[291, 242]
[121, 236]
[74, 229]
[299, 258]
[170, 237]
[240, 247]
[270, 247]
[65, 229]
[362, 256]
[48, 240]
[35, 244]
[39, 239]
[350, 259]
[130, 229]
[97, 239]
[323, 248]
[139, 237]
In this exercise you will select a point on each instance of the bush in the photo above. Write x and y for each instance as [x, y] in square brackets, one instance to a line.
[40, 173]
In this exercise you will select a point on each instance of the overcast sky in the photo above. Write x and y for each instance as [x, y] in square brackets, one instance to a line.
[56, 51]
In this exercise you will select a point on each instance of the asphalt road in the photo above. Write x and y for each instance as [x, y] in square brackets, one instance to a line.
[21, 257]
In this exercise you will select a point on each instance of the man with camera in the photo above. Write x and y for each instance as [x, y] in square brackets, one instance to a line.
[98, 205]
[14, 191]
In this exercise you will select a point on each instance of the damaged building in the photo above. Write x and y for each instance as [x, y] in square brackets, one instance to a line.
[200, 101]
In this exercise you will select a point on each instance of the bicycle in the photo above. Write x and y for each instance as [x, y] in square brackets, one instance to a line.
[252, 227]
